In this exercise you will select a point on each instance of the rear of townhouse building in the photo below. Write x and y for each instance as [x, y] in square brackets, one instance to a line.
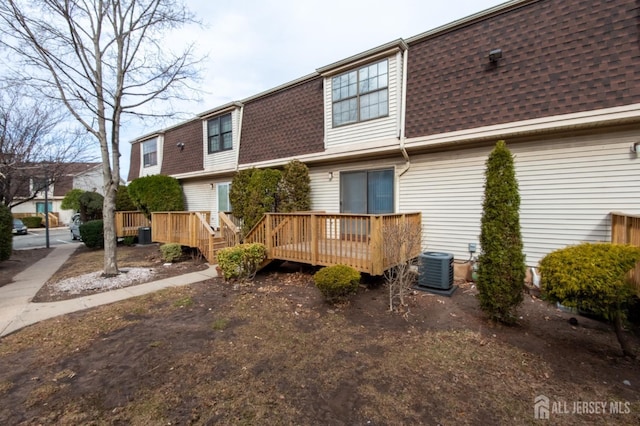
[407, 126]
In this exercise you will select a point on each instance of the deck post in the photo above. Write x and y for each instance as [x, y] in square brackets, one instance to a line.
[314, 240]
[376, 265]
[119, 224]
[193, 237]
[268, 229]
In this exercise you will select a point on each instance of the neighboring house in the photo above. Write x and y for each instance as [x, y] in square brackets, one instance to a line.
[84, 176]
[408, 126]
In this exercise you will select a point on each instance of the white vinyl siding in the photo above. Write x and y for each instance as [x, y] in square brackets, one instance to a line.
[383, 128]
[325, 187]
[568, 187]
[199, 196]
[222, 160]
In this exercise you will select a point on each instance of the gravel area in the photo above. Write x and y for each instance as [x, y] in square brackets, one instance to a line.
[95, 281]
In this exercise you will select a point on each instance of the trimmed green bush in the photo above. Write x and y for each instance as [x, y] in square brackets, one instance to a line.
[71, 200]
[592, 278]
[241, 261]
[6, 235]
[156, 193]
[501, 265]
[171, 252]
[32, 221]
[92, 234]
[337, 282]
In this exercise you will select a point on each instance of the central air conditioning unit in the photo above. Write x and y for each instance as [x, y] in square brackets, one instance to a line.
[435, 273]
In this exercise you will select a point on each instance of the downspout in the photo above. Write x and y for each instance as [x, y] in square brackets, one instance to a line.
[403, 114]
[240, 114]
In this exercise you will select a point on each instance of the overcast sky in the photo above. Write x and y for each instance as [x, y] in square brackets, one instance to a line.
[255, 45]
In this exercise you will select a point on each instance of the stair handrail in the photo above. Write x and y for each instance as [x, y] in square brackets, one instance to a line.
[229, 230]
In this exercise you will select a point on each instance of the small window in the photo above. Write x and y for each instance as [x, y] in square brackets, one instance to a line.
[361, 94]
[150, 153]
[38, 184]
[219, 134]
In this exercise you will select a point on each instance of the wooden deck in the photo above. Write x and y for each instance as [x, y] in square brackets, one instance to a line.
[315, 238]
[319, 238]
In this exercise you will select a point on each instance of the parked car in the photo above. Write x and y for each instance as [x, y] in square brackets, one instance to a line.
[74, 226]
[19, 227]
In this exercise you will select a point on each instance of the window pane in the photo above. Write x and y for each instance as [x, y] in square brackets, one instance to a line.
[353, 193]
[227, 142]
[226, 123]
[383, 102]
[149, 146]
[213, 126]
[214, 143]
[344, 112]
[383, 68]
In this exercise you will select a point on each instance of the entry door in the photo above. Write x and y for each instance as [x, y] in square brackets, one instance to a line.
[40, 207]
[365, 192]
[222, 190]
[223, 197]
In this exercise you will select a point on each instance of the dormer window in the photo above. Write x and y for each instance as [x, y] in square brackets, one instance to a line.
[150, 153]
[361, 94]
[219, 134]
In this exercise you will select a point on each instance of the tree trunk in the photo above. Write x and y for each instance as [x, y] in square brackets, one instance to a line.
[627, 350]
[110, 238]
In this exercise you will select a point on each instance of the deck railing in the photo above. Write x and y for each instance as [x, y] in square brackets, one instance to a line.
[625, 228]
[329, 239]
[177, 227]
[128, 222]
[233, 219]
[229, 229]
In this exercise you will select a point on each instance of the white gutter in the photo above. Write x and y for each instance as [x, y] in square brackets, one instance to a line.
[403, 114]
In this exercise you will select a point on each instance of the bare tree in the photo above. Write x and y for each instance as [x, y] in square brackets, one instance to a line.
[102, 59]
[401, 240]
[35, 148]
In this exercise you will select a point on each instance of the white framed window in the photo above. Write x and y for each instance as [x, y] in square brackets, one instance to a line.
[360, 95]
[219, 134]
[150, 153]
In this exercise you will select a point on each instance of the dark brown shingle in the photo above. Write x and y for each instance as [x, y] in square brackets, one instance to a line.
[283, 124]
[559, 57]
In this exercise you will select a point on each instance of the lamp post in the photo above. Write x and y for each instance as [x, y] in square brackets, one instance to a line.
[46, 208]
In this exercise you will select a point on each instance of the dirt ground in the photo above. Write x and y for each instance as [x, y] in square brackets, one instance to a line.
[273, 352]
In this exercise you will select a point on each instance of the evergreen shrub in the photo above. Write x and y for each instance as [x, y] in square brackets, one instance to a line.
[337, 282]
[92, 233]
[241, 261]
[171, 252]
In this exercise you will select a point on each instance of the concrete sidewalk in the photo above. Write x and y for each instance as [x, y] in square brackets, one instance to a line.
[17, 310]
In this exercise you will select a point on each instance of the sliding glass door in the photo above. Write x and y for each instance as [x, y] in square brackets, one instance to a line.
[365, 192]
